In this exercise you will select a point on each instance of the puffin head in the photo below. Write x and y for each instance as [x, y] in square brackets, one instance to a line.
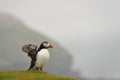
[46, 44]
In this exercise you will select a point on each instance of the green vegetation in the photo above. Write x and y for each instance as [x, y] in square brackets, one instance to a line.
[29, 75]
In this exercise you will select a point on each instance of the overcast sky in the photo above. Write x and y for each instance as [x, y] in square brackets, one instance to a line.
[88, 29]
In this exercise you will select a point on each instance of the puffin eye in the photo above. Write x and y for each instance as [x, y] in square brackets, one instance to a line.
[45, 44]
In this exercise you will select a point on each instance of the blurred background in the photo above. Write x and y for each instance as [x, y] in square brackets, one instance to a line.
[85, 33]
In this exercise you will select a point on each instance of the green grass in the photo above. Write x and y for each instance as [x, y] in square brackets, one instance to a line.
[29, 75]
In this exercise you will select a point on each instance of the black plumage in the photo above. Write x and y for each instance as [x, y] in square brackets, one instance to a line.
[31, 49]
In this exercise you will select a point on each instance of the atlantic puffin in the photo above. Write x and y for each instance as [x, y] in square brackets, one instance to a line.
[39, 57]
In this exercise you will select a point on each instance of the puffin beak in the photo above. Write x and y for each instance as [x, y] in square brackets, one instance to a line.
[50, 46]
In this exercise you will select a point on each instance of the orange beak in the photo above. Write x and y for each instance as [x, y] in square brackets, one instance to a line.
[50, 46]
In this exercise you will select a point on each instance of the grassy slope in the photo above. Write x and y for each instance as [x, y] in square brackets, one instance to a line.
[29, 75]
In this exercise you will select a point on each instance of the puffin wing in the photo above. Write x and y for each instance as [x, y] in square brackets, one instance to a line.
[29, 47]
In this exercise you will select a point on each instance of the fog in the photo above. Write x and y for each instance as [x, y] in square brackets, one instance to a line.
[88, 29]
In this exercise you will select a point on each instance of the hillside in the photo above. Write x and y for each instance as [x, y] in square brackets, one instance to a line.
[14, 34]
[29, 75]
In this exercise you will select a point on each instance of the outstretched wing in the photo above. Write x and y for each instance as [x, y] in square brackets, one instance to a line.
[29, 47]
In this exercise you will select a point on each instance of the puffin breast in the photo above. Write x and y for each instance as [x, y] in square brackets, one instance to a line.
[42, 57]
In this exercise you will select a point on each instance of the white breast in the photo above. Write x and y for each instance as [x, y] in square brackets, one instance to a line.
[42, 58]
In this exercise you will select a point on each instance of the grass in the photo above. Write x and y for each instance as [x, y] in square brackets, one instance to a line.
[29, 75]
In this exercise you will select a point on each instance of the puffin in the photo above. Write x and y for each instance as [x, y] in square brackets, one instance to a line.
[39, 57]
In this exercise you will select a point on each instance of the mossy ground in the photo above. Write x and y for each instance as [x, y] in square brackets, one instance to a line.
[29, 75]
